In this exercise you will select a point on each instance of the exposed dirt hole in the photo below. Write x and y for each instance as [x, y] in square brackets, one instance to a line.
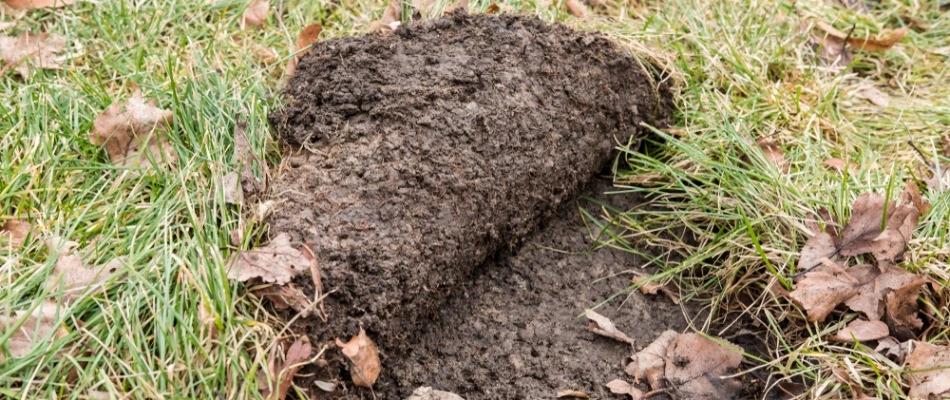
[426, 152]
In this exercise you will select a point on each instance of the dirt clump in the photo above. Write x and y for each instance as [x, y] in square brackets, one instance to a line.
[423, 153]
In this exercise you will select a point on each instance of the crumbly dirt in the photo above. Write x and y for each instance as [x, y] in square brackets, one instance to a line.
[421, 154]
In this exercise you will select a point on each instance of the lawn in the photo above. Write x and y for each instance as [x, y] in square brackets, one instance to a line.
[767, 133]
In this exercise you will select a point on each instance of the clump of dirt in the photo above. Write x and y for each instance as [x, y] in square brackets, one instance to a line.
[427, 151]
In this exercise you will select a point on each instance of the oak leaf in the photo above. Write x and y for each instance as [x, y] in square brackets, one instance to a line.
[278, 262]
[28, 51]
[364, 355]
[135, 133]
[928, 371]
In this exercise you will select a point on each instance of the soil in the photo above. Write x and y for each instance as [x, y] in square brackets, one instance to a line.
[418, 156]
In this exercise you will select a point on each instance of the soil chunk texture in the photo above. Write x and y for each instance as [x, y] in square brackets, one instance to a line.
[422, 153]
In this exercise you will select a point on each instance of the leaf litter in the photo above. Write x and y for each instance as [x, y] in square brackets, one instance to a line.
[363, 354]
[31, 51]
[255, 14]
[14, 232]
[135, 133]
[928, 371]
[71, 277]
[284, 372]
[861, 330]
[602, 325]
[278, 262]
[31, 328]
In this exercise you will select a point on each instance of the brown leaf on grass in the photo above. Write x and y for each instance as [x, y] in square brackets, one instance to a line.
[14, 232]
[928, 371]
[307, 37]
[35, 4]
[365, 357]
[28, 51]
[773, 153]
[38, 326]
[650, 362]
[286, 296]
[390, 18]
[840, 165]
[70, 277]
[619, 386]
[135, 134]
[427, 393]
[697, 365]
[231, 184]
[602, 326]
[893, 349]
[573, 394]
[819, 292]
[871, 297]
[882, 43]
[652, 287]
[264, 55]
[255, 14]
[297, 353]
[900, 310]
[576, 8]
[833, 51]
[278, 262]
[816, 248]
[864, 234]
[874, 95]
[862, 331]
[911, 195]
[492, 8]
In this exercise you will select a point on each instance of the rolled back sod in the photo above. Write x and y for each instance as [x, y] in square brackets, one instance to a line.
[419, 154]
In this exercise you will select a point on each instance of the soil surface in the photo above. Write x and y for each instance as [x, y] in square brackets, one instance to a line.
[513, 333]
[426, 152]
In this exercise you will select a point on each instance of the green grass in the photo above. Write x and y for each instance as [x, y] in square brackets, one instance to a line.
[173, 326]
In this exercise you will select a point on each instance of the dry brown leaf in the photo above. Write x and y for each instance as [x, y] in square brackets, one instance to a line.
[870, 44]
[307, 37]
[574, 394]
[14, 232]
[427, 393]
[265, 55]
[365, 357]
[492, 8]
[874, 95]
[864, 234]
[773, 153]
[602, 325]
[819, 292]
[286, 296]
[871, 297]
[900, 310]
[70, 277]
[893, 349]
[618, 386]
[833, 51]
[35, 4]
[389, 20]
[816, 248]
[28, 51]
[255, 14]
[576, 8]
[840, 165]
[928, 371]
[649, 363]
[298, 352]
[862, 331]
[38, 326]
[278, 262]
[458, 5]
[231, 184]
[911, 195]
[653, 287]
[697, 365]
[135, 133]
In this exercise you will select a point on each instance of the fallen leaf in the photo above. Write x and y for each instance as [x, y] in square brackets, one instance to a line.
[135, 133]
[602, 325]
[70, 277]
[816, 248]
[651, 287]
[840, 165]
[427, 393]
[862, 331]
[365, 357]
[265, 55]
[893, 349]
[492, 8]
[576, 8]
[278, 262]
[231, 184]
[819, 292]
[911, 195]
[883, 43]
[773, 153]
[298, 352]
[35, 4]
[34, 328]
[618, 386]
[14, 232]
[574, 394]
[900, 310]
[307, 37]
[928, 371]
[864, 233]
[649, 363]
[870, 299]
[28, 51]
[390, 18]
[696, 366]
[458, 5]
[874, 95]
[833, 51]
[255, 14]
[286, 296]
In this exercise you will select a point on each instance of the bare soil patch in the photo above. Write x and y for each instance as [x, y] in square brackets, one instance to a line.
[422, 154]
